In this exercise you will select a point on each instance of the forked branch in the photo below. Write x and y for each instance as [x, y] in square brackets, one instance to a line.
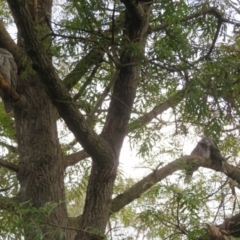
[156, 176]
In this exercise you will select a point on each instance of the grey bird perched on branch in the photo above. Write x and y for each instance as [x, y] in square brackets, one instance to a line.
[8, 69]
[206, 148]
[202, 149]
[216, 156]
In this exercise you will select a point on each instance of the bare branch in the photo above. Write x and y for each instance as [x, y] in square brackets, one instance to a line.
[211, 11]
[9, 147]
[147, 182]
[159, 109]
[87, 82]
[94, 57]
[8, 165]
[103, 95]
[7, 188]
[74, 158]
[214, 41]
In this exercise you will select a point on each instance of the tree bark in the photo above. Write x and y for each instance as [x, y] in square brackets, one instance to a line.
[41, 163]
[101, 182]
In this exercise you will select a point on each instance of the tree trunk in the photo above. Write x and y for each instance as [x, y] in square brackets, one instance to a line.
[100, 187]
[41, 165]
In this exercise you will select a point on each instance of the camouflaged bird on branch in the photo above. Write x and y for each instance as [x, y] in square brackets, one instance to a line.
[206, 148]
[8, 69]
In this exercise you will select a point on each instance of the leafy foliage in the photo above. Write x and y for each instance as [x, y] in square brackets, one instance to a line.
[180, 55]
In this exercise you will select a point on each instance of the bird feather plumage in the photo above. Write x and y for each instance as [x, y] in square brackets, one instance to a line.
[8, 69]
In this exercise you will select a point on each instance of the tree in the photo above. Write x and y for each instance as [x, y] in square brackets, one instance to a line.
[108, 70]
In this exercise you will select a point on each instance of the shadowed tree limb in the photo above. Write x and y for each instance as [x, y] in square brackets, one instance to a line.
[103, 96]
[8, 165]
[213, 41]
[94, 57]
[92, 143]
[211, 11]
[159, 109]
[7, 188]
[9, 147]
[74, 158]
[87, 82]
[156, 176]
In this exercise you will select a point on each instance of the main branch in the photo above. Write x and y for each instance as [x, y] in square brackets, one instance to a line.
[156, 176]
[94, 145]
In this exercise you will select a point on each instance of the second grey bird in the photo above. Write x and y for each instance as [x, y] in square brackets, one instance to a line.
[8, 69]
[202, 149]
